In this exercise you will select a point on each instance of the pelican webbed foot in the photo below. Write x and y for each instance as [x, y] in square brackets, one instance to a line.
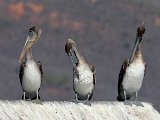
[37, 101]
[87, 102]
[137, 103]
[127, 102]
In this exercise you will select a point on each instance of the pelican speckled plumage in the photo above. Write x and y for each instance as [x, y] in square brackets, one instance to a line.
[84, 75]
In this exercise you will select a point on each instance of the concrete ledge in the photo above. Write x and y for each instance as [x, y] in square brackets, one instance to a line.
[22, 110]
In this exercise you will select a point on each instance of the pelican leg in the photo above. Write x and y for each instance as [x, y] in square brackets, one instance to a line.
[37, 94]
[37, 100]
[76, 99]
[87, 102]
[137, 103]
[126, 102]
[24, 95]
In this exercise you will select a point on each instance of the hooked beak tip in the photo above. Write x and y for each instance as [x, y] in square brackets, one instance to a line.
[20, 59]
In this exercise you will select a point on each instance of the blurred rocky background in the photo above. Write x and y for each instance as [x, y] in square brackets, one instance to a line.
[104, 31]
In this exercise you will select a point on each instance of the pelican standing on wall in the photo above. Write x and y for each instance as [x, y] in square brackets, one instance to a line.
[132, 72]
[30, 73]
[84, 75]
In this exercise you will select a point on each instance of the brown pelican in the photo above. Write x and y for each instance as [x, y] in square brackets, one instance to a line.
[30, 73]
[84, 75]
[132, 72]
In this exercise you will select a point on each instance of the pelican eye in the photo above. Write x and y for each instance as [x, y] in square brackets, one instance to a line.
[31, 32]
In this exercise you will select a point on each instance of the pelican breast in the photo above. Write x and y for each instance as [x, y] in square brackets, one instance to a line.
[133, 77]
[32, 78]
[84, 84]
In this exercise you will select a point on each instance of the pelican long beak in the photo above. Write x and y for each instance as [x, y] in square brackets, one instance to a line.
[72, 51]
[140, 33]
[138, 40]
[30, 41]
[72, 54]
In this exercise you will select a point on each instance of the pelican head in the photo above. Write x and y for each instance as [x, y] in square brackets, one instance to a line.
[141, 30]
[33, 35]
[140, 33]
[70, 45]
